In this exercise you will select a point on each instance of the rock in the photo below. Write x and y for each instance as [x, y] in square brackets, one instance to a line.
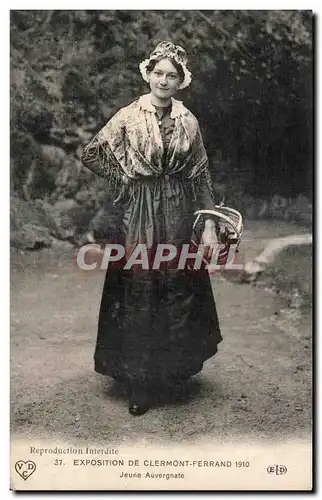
[61, 246]
[35, 171]
[63, 214]
[105, 223]
[68, 180]
[85, 136]
[31, 237]
[23, 212]
[69, 218]
[36, 223]
[92, 197]
[66, 138]
[83, 198]
[53, 155]
[84, 239]
[30, 224]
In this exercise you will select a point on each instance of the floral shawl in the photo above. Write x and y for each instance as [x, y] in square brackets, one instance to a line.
[129, 147]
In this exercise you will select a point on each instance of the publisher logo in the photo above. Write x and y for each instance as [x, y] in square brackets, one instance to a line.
[279, 470]
[25, 469]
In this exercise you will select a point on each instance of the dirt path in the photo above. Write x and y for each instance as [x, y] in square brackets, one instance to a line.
[257, 386]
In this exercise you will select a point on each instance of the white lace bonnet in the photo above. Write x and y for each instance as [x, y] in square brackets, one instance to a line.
[175, 52]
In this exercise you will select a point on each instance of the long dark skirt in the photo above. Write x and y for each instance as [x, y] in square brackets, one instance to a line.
[156, 325]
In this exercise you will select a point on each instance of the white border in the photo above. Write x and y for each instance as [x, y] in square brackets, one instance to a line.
[4, 94]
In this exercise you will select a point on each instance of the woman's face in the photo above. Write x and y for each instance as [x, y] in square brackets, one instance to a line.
[164, 79]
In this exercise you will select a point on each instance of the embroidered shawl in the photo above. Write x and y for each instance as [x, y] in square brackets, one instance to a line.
[130, 146]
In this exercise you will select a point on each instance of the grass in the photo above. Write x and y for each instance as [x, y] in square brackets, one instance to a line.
[291, 271]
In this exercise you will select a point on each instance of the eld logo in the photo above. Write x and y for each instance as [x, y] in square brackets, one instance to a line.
[277, 469]
[25, 469]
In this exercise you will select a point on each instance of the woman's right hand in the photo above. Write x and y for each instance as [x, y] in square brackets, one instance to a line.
[209, 238]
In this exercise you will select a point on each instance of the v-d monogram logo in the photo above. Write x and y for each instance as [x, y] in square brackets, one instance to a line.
[25, 469]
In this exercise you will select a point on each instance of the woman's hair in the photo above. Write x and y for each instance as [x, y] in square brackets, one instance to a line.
[150, 67]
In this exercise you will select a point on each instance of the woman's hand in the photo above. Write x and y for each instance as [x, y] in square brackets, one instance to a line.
[209, 238]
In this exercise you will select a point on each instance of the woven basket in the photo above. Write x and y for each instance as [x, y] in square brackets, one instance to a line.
[229, 229]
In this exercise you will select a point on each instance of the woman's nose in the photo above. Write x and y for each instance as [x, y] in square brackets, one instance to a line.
[163, 80]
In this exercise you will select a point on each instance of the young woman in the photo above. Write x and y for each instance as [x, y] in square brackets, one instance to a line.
[155, 325]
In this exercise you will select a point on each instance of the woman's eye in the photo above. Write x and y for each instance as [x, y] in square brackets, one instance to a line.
[173, 77]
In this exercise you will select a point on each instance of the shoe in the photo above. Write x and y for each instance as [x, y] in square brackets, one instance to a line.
[140, 399]
[138, 409]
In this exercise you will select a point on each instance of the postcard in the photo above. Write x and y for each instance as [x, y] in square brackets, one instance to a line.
[161, 250]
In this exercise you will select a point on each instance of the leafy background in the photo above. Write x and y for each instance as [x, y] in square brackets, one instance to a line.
[71, 70]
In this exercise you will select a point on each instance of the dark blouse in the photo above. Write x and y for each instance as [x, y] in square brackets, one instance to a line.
[167, 124]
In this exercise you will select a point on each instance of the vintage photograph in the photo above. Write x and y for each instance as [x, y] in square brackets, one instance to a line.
[161, 193]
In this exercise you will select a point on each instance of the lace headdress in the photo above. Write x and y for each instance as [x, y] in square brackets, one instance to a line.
[172, 51]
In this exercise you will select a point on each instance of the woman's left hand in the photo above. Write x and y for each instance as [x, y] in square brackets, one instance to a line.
[209, 238]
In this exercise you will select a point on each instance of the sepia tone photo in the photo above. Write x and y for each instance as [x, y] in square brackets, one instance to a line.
[161, 192]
